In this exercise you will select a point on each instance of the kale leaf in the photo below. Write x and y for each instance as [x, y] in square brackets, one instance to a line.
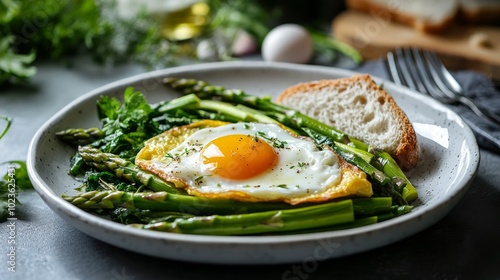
[125, 125]
[100, 181]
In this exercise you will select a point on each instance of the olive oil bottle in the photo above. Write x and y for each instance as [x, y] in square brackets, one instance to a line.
[186, 22]
[179, 19]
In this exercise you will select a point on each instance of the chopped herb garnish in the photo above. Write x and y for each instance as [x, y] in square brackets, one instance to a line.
[255, 138]
[178, 156]
[169, 155]
[275, 141]
[198, 179]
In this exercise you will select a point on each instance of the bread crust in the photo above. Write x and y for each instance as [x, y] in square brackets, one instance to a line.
[407, 152]
[415, 22]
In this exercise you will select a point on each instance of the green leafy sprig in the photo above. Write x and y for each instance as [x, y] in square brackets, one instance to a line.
[14, 67]
[15, 179]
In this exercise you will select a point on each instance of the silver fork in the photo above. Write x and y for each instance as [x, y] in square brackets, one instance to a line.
[423, 71]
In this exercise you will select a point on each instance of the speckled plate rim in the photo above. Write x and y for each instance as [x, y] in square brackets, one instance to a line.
[256, 249]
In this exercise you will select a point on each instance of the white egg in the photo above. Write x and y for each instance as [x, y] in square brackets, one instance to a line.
[253, 162]
[288, 43]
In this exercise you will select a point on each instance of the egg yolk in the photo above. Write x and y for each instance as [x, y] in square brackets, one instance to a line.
[238, 156]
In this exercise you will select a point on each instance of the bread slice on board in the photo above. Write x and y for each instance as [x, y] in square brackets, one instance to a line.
[428, 16]
[480, 11]
[361, 109]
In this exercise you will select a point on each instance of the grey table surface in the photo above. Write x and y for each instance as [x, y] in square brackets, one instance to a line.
[463, 245]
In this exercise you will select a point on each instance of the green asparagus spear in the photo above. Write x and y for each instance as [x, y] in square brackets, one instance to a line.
[321, 215]
[137, 216]
[391, 168]
[383, 184]
[395, 211]
[352, 155]
[76, 164]
[206, 91]
[163, 201]
[80, 136]
[368, 206]
[358, 222]
[125, 169]
[234, 113]
[389, 190]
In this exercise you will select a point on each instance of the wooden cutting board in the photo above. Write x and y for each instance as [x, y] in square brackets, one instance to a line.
[374, 36]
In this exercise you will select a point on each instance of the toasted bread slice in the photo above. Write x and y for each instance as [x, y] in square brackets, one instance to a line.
[361, 109]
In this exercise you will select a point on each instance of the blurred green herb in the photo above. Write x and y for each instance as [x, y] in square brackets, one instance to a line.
[33, 29]
[14, 180]
[14, 66]
[19, 173]
[8, 122]
[327, 45]
[54, 28]
[237, 15]
[4, 201]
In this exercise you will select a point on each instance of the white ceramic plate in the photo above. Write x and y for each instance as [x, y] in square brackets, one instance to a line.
[450, 158]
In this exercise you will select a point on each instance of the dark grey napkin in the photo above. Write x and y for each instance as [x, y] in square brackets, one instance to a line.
[476, 86]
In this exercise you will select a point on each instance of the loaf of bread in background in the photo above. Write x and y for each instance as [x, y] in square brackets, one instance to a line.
[430, 16]
[480, 11]
[361, 109]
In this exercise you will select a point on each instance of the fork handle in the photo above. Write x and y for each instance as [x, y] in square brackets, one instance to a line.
[486, 140]
[480, 111]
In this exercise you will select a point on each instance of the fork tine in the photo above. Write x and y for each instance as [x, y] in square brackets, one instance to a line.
[413, 74]
[438, 78]
[426, 74]
[422, 71]
[393, 68]
[400, 59]
[398, 69]
[452, 84]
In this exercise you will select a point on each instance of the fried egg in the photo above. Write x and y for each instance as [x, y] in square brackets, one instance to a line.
[250, 162]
